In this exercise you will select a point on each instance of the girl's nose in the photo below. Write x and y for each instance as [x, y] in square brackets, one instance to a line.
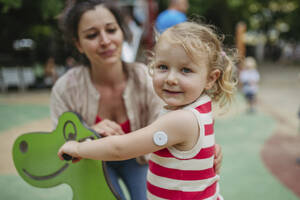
[172, 78]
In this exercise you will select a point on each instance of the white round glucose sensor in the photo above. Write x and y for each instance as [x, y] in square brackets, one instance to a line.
[160, 138]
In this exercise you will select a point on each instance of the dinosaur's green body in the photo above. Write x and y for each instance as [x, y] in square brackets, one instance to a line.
[35, 158]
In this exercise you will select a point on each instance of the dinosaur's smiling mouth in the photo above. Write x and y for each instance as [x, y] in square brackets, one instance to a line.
[46, 177]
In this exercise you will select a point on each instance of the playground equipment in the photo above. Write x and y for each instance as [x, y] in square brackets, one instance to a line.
[35, 158]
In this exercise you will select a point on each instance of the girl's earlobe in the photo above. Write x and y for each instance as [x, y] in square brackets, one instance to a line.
[212, 77]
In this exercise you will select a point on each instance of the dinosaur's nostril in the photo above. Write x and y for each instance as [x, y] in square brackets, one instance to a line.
[23, 146]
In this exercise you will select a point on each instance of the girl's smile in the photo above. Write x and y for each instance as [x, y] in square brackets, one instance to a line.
[177, 80]
[172, 92]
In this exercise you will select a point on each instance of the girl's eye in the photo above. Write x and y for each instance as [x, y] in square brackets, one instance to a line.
[162, 67]
[186, 70]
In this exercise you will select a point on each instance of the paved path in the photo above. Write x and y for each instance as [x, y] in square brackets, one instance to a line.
[280, 97]
[8, 137]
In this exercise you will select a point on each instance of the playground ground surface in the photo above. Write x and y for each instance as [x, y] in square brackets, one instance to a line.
[260, 149]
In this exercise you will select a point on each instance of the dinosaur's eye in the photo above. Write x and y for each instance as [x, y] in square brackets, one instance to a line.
[23, 146]
[69, 131]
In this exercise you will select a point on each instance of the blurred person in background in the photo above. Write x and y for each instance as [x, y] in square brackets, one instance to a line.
[70, 63]
[50, 75]
[113, 97]
[130, 48]
[175, 14]
[249, 78]
[298, 159]
[299, 118]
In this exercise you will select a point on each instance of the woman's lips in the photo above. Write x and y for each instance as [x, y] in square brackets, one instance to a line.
[107, 53]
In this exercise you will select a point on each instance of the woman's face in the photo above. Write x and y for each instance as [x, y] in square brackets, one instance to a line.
[100, 37]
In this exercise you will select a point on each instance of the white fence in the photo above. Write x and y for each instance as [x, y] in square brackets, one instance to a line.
[20, 77]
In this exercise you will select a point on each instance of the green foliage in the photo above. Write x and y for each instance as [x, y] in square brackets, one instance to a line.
[8, 4]
[200, 7]
[51, 8]
[235, 3]
[33, 19]
[37, 20]
[263, 16]
[37, 31]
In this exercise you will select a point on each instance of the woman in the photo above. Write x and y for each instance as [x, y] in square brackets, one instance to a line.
[112, 97]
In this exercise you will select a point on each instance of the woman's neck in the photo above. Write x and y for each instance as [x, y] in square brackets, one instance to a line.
[108, 76]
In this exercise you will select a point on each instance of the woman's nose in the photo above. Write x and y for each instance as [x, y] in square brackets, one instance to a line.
[104, 39]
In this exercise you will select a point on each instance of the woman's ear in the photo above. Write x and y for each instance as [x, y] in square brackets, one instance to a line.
[78, 46]
[212, 77]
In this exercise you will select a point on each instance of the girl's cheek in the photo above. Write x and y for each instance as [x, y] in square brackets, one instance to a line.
[158, 79]
[158, 74]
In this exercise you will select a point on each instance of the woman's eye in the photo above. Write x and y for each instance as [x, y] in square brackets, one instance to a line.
[91, 35]
[111, 30]
[186, 70]
[162, 67]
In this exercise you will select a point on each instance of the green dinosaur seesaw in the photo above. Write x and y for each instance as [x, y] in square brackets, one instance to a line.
[35, 158]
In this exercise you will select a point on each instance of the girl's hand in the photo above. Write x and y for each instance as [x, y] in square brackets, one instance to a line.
[70, 148]
[218, 158]
[107, 127]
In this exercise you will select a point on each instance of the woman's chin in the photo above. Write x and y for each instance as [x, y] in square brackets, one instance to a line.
[111, 60]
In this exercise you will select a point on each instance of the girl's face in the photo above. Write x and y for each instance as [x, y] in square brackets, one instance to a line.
[100, 37]
[176, 79]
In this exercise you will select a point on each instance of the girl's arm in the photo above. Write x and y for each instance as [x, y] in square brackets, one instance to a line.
[181, 128]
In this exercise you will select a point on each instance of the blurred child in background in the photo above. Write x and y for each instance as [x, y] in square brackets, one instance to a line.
[249, 78]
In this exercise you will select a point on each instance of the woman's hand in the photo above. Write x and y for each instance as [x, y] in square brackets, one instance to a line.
[107, 127]
[143, 160]
[70, 148]
[218, 158]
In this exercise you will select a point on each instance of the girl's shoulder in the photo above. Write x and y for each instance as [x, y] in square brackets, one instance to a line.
[181, 127]
[179, 120]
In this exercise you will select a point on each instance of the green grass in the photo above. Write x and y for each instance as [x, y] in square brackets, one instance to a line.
[243, 175]
[12, 115]
[14, 188]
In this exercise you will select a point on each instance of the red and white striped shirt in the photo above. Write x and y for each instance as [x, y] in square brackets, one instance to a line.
[187, 175]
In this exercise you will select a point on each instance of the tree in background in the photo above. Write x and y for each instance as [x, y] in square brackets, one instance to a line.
[35, 20]
[275, 20]
[268, 20]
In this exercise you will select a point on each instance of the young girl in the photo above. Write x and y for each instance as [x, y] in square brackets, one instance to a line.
[189, 69]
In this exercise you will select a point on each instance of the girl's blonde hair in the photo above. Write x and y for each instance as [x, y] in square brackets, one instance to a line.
[195, 38]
